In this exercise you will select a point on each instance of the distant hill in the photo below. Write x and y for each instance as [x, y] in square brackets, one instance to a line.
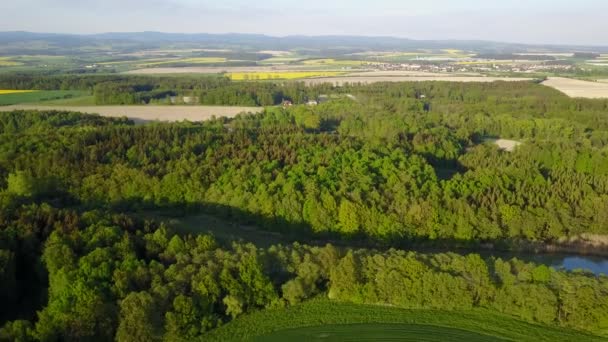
[28, 42]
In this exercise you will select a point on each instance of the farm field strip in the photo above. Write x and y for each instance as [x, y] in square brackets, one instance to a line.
[578, 88]
[221, 70]
[285, 75]
[7, 62]
[196, 60]
[280, 60]
[10, 91]
[142, 114]
[332, 61]
[394, 73]
[368, 79]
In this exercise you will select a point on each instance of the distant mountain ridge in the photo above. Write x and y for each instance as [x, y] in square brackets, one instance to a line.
[259, 41]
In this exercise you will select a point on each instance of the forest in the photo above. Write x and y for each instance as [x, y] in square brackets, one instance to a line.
[367, 172]
[113, 277]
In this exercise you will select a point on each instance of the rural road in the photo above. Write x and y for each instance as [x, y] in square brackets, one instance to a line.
[141, 114]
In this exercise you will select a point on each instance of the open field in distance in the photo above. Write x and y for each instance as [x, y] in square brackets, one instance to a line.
[220, 70]
[282, 75]
[410, 73]
[141, 114]
[578, 88]
[368, 79]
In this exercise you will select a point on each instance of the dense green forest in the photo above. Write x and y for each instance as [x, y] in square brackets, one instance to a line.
[388, 165]
[111, 276]
[378, 165]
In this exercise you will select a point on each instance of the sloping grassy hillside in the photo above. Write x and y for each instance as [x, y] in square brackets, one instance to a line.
[330, 320]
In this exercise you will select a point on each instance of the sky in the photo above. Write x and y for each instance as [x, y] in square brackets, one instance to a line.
[583, 22]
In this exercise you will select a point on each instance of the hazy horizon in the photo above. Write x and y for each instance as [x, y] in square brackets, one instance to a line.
[518, 21]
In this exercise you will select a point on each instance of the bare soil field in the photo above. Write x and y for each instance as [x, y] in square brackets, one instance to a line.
[577, 88]
[275, 52]
[367, 79]
[142, 114]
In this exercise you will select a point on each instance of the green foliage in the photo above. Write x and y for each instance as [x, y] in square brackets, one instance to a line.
[118, 278]
[21, 184]
[383, 170]
[17, 331]
[139, 319]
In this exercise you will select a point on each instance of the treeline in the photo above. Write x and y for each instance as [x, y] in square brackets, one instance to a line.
[111, 277]
[226, 93]
[133, 89]
[34, 121]
[31, 81]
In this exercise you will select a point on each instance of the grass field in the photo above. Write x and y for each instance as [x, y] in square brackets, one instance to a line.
[27, 96]
[196, 60]
[224, 230]
[332, 62]
[281, 75]
[378, 332]
[88, 100]
[321, 319]
[422, 54]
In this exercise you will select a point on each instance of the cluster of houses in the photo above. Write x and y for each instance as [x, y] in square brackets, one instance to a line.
[320, 99]
[478, 66]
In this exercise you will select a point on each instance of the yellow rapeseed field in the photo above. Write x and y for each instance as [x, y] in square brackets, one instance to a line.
[5, 61]
[9, 91]
[279, 75]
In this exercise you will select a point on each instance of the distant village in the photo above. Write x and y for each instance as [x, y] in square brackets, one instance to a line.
[479, 66]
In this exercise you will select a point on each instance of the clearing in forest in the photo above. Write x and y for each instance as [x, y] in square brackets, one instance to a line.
[578, 88]
[147, 113]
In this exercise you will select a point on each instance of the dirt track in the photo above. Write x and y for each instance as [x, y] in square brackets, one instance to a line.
[148, 113]
[578, 88]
